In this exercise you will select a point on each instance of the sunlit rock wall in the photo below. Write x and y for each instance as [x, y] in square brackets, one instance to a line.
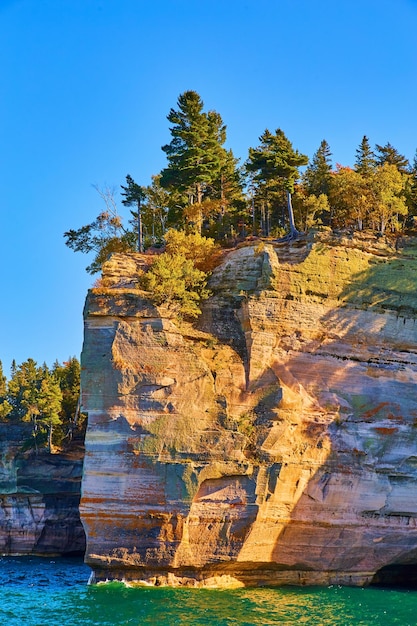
[276, 442]
[39, 499]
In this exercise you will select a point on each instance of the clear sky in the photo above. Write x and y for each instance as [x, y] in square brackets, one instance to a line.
[86, 86]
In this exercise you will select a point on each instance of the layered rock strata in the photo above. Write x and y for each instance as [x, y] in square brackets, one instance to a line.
[273, 444]
[39, 499]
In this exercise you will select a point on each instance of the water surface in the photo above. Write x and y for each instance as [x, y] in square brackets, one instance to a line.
[54, 592]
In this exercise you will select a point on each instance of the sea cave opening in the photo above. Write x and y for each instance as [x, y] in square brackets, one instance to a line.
[403, 576]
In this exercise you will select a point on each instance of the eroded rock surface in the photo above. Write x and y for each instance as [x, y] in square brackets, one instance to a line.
[276, 442]
[39, 499]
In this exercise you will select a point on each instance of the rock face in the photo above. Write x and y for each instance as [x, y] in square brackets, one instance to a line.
[277, 442]
[39, 499]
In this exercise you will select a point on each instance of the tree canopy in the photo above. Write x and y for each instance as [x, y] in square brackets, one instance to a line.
[389, 155]
[46, 398]
[317, 175]
[275, 168]
[177, 278]
[199, 166]
[365, 161]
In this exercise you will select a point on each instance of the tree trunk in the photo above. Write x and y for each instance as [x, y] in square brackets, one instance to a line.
[50, 438]
[382, 229]
[140, 234]
[222, 198]
[293, 231]
[199, 190]
[263, 218]
[35, 432]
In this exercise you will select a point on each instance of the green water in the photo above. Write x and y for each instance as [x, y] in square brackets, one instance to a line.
[35, 592]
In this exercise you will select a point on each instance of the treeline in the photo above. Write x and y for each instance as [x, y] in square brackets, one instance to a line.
[203, 189]
[45, 398]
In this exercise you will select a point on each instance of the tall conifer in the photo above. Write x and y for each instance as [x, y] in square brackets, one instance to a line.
[318, 173]
[196, 153]
[390, 155]
[365, 162]
[274, 165]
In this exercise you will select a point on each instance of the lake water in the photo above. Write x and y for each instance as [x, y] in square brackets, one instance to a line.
[49, 592]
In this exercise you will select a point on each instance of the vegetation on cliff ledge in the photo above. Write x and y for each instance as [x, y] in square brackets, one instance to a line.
[177, 278]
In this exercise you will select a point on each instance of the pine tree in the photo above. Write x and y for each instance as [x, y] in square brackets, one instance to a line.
[317, 175]
[411, 188]
[365, 162]
[196, 153]
[224, 198]
[274, 165]
[22, 389]
[68, 377]
[5, 406]
[390, 156]
[3, 382]
[48, 406]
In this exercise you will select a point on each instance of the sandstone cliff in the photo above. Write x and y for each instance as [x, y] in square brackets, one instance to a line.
[276, 442]
[39, 499]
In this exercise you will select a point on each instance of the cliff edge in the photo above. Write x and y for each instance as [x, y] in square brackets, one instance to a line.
[272, 443]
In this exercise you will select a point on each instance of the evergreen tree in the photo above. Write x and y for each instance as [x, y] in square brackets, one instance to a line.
[225, 198]
[22, 389]
[46, 399]
[48, 407]
[177, 278]
[365, 162]
[196, 153]
[28, 381]
[5, 406]
[274, 165]
[390, 155]
[411, 188]
[68, 376]
[3, 382]
[317, 175]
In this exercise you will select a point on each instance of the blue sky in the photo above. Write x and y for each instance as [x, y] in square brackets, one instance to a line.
[85, 89]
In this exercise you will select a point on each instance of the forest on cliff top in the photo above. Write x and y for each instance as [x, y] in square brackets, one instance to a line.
[277, 191]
